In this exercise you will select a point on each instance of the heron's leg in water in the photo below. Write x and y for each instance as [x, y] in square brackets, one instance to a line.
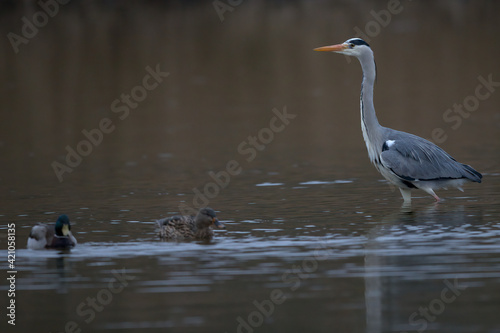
[406, 193]
[431, 192]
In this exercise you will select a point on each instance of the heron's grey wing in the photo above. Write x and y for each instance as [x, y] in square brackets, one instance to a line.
[413, 158]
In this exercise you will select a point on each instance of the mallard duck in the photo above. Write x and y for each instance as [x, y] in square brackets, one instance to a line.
[58, 236]
[189, 227]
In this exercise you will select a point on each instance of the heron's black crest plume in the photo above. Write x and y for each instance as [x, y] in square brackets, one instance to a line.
[358, 41]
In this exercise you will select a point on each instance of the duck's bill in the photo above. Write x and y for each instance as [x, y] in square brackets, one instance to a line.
[65, 229]
[218, 224]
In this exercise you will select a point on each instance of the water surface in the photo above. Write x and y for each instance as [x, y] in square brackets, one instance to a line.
[315, 240]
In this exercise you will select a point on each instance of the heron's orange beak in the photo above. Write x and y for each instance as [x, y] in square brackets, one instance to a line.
[332, 48]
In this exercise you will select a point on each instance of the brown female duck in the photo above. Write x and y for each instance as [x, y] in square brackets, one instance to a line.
[189, 227]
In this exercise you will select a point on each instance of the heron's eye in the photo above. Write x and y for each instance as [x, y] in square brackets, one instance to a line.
[351, 45]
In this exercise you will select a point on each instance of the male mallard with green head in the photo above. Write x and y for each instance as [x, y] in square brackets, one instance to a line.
[189, 227]
[58, 236]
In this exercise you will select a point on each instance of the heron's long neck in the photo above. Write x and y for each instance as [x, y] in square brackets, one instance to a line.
[369, 122]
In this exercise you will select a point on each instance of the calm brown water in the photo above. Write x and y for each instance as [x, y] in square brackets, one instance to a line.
[315, 241]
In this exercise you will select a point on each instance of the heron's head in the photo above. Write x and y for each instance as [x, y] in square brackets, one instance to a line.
[355, 47]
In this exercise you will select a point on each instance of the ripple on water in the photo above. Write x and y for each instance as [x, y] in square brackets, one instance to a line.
[321, 182]
[407, 251]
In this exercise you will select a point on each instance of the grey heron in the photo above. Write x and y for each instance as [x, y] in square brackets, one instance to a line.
[405, 160]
